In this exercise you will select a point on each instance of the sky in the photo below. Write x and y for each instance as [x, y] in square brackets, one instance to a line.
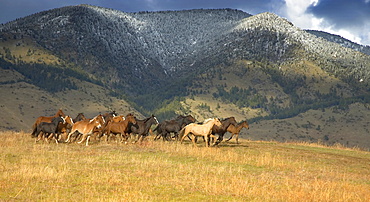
[347, 18]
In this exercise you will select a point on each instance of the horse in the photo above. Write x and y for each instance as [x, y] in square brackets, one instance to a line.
[173, 126]
[118, 118]
[109, 116]
[48, 128]
[79, 117]
[46, 119]
[142, 127]
[223, 128]
[86, 128]
[119, 127]
[64, 128]
[204, 130]
[235, 130]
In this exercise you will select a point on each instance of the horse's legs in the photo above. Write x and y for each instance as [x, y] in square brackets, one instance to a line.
[237, 138]
[183, 137]
[87, 140]
[230, 137]
[213, 139]
[193, 140]
[69, 135]
[84, 136]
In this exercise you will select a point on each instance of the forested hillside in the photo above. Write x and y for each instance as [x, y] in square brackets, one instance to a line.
[208, 62]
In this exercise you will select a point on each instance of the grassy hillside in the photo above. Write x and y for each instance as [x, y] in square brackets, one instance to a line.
[164, 171]
[23, 102]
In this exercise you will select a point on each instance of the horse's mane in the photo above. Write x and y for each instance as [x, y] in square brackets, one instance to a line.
[208, 120]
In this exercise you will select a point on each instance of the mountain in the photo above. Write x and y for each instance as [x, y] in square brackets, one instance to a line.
[207, 62]
[340, 40]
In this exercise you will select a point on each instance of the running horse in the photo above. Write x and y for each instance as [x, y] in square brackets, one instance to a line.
[48, 129]
[223, 128]
[142, 127]
[204, 130]
[86, 128]
[235, 130]
[121, 127]
[46, 119]
[173, 126]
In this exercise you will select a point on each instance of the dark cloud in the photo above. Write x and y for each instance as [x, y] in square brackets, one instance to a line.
[342, 13]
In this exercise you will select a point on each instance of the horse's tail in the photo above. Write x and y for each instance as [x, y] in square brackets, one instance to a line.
[34, 129]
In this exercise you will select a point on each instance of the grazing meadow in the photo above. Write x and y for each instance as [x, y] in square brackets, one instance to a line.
[170, 171]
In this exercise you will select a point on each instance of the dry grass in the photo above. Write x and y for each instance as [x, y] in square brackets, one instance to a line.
[165, 171]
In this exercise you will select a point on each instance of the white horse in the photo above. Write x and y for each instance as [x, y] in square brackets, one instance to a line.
[204, 130]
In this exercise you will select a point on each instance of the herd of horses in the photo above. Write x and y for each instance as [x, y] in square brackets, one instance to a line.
[63, 128]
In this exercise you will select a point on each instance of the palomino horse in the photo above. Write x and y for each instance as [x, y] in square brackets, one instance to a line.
[204, 130]
[46, 119]
[86, 128]
[141, 128]
[119, 127]
[235, 130]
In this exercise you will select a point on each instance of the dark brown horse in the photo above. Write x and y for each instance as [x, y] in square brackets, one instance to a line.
[48, 129]
[141, 128]
[79, 117]
[235, 130]
[221, 130]
[165, 128]
[46, 119]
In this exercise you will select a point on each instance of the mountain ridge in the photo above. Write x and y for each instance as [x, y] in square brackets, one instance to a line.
[209, 62]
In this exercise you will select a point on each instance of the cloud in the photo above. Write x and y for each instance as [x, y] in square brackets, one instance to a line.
[349, 19]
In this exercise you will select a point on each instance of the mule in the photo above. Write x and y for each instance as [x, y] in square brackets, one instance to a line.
[235, 130]
[48, 129]
[86, 128]
[204, 130]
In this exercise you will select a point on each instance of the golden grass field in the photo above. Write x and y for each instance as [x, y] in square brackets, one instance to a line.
[170, 171]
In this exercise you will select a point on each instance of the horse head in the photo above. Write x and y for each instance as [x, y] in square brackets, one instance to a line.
[131, 118]
[217, 122]
[68, 120]
[60, 113]
[245, 124]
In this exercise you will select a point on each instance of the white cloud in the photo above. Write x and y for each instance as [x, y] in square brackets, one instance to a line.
[295, 11]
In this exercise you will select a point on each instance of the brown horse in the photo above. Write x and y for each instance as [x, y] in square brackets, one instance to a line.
[64, 128]
[235, 130]
[204, 130]
[46, 119]
[86, 128]
[121, 127]
[118, 118]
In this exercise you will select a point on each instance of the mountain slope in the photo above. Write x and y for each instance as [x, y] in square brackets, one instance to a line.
[218, 62]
